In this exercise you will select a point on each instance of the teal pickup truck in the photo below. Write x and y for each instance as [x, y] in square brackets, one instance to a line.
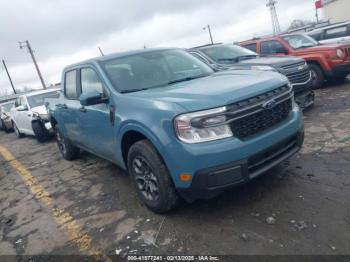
[179, 129]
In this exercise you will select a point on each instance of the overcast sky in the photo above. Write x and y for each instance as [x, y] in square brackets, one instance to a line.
[63, 32]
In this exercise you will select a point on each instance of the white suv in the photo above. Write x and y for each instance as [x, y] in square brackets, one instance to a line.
[29, 115]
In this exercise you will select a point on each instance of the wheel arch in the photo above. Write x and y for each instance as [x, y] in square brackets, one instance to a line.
[134, 133]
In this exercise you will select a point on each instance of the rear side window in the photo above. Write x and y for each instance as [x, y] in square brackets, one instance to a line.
[71, 85]
[316, 35]
[340, 31]
[251, 47]
[90, 81]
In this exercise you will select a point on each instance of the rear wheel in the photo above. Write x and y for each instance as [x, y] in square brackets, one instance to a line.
[317, 76]
[40, 131]
[17, 132]
[151, 178]
[68, 151]
[7, 130]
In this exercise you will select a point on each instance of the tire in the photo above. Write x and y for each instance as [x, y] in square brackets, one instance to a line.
[317, 76]
[151, 178]
[68, 151]
[40, 131]
[7, 130]
[17, 132]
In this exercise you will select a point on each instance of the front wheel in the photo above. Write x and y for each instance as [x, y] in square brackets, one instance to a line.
[68, 151]
[40, 131]
[317, 76]
[151, 178]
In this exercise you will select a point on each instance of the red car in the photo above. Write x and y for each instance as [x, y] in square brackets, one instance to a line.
[325, 61]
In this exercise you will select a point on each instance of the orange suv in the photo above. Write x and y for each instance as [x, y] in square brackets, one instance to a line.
[325, 61]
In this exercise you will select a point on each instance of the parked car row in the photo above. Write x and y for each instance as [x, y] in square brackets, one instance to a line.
[27, 115]
[223, 57]
[326, 61]
[185, 124]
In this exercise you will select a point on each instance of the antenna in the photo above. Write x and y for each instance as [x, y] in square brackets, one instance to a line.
[275, 23]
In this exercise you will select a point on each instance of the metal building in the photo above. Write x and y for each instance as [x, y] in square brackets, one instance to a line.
[336, 10]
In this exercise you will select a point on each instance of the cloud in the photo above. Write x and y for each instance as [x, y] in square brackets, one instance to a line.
[63, 32]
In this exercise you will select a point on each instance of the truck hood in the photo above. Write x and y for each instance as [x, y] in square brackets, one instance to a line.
[274, 61]
[41, 110]
[217, 90]
[323, 47]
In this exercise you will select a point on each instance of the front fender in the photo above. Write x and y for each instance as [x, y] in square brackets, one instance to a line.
[145, 131]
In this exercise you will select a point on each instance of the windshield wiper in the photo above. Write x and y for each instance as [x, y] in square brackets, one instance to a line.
[132, 90]
[186, 79]
[228, 59]
[246, 57]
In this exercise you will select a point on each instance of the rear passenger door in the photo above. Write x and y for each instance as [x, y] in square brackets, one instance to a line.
[67, 111]
[97, 121]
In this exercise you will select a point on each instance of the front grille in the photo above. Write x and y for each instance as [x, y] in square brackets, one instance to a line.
[293, 66]
[251, 116]
[299, 77]
[262, 120]
[347, 53]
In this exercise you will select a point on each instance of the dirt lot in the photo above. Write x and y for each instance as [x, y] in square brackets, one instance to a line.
[88, 206]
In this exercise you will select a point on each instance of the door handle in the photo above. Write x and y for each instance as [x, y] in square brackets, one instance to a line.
[82, 109]
[62, 106]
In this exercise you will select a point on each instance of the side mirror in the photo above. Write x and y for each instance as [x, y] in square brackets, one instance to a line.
[22, 108]
[92, 98]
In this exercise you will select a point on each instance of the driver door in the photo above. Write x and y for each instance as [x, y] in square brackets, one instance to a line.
[96, 121]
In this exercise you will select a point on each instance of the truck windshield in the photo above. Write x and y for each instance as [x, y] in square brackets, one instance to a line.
[300, 41]
[153, 69]
[39, 100]
[228, 54]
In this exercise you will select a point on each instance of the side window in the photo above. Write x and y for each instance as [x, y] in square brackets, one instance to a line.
[272, 47]
[70, 88]
[316, 35]
[90, 81]
[340, 31]
[23, 101]
[18, 102]
[251, 47]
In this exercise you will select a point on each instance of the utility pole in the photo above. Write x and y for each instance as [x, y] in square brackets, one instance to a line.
[210, 35]
[274, 18]
[8, 74]
[102, 54]
[30, 50]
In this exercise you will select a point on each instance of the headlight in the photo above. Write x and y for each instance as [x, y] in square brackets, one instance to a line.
[202, 126]
[263, 68]
[340, 53]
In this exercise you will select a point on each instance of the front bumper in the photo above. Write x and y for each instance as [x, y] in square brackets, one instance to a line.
[210, 182]
[304, 95]
[193, 159]
[44, 123]
[339, 70]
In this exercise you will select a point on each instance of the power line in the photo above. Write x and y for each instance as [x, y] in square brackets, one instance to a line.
[30, 50]
[274, 18]
[8, 75]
